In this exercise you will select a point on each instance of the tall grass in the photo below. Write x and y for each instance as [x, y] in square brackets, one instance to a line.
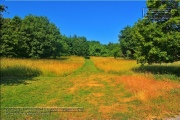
[114, 65]
[44, 67]
[122, 66]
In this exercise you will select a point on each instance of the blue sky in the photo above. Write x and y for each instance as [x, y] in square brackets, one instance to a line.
[96, 20]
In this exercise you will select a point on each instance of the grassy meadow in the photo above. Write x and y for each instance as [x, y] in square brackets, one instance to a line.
[111, 65]
[105, 87]
[43, 67]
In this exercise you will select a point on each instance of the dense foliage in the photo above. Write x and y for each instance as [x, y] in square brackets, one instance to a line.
[111, 49]
[75, 46]
[37, 37]
[156, 38]
[32, 36]
[82, 47]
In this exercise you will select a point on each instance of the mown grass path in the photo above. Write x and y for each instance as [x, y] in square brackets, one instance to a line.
[97, 93]
[87, 69]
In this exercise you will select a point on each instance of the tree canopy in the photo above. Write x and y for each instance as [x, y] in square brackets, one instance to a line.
[36, 37]
[156, 38]
[31, 37]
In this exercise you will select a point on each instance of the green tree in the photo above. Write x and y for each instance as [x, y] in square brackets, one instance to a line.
[31, 37]
[95, 48]
[2, 25]
[67, 45]
[148, 42]
[2, 9]
[11, 37]
[162, 10]
[42, 38]
[114, 50]
[80, 46]
[158, 36]
[104, 51]
[127, 43]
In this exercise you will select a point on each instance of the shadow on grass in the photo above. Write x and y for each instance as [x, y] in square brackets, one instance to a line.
[62, 58]
[17, 74]
[15, 80]
[159, 69]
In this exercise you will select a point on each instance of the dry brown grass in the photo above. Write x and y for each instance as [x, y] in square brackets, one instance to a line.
[85, 82]
[145, 87]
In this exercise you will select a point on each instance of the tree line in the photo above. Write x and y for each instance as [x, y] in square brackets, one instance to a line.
[156, 38]
[36, 37]
[153, 39]
[74, 45]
